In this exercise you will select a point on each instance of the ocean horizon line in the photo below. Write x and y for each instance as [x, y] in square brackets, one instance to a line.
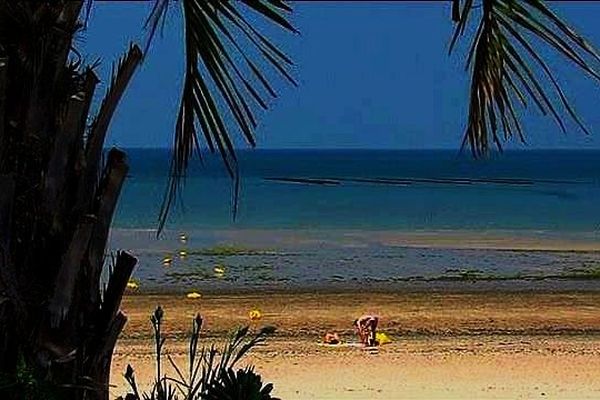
[520, 150]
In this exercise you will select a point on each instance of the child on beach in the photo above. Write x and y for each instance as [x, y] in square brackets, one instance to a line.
[366, 327]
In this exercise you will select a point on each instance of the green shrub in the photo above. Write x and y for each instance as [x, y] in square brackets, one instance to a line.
[211, 373]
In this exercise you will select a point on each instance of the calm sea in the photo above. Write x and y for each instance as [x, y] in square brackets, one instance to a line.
[316, 218]
[428, 190]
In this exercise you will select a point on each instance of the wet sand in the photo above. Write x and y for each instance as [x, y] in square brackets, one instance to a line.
[446, 344]
[384, 261]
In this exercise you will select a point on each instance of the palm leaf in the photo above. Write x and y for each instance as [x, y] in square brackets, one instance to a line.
[507, 72]
[221, 80]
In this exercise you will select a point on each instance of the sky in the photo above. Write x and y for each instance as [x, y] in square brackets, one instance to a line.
[371, 75]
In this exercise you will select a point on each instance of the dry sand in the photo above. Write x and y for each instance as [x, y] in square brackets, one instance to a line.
[446, 345]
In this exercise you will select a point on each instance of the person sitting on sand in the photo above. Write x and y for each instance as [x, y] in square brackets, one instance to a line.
[366, 327]
[331, 338]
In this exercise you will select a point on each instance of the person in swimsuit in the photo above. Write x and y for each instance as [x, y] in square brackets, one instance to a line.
[332, 338]
[366, 327]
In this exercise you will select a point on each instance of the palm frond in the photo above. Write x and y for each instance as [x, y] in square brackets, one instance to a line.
[508, 72]
[222, 79]
[156, 18]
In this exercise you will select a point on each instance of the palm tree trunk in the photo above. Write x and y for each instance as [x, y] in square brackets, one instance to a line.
[57, 200]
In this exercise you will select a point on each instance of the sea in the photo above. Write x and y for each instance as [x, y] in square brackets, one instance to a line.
[366, 220]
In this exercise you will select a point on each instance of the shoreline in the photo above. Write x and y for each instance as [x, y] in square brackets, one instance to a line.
[513, 287]
[493, 239]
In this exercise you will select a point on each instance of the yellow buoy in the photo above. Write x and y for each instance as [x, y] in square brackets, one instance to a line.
[133, 285]
[167, 260]
[219, 270]
[182, 237]
[193, 295]
[382, 338]
[255, 315]
[182, 254]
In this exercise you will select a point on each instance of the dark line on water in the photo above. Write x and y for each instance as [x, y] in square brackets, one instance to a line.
[308, 181]
[410, 181]
[457, 181]
[374, 180]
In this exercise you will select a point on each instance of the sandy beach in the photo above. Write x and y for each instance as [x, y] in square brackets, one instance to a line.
[446, 344]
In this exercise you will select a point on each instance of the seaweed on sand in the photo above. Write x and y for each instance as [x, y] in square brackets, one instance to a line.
[229, 250]
[475, 275]
[582, 273]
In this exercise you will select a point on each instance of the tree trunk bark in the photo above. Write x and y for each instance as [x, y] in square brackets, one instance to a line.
[3, 84]
[57, 201]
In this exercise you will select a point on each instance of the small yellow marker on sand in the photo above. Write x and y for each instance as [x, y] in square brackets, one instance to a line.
[132, 285]
[182, 254]
[193, 295]
[167, 260]
[182, 237]
[255, 315]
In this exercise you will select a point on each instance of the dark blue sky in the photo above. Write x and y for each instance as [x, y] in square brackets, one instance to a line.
[371, 76]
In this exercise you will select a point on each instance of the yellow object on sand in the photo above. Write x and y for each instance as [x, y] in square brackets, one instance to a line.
[193, 295]
[167, 260]
[182, 253]
[382, 338]
[255, 315]
[182, 237]
[133, 285]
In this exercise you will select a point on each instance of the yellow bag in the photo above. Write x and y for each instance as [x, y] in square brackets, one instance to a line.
[382, 338]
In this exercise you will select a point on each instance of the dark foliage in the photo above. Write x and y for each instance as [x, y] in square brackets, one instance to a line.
[58, 197]
[244, 384]
[210, 374]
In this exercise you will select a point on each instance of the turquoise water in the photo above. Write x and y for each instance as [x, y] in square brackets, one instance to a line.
[353, 219]
[533, 190]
